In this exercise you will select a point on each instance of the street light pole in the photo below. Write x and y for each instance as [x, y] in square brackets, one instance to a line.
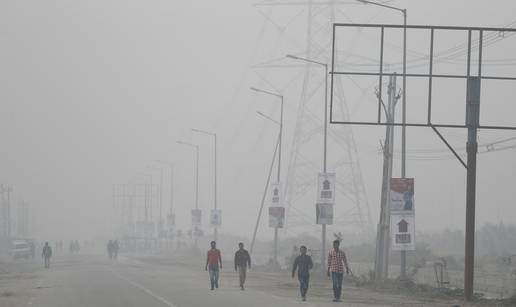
[196, 177]
[8, 222]
[160, 195]
[403, 255]
[325, 145]
[171, 165]
[279, 159]
[147, 207]
[214, 135]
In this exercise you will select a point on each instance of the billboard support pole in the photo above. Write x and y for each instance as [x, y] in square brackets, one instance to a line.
[473, 106]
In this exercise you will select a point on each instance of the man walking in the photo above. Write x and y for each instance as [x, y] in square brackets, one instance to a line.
[213, 263]
[303, 263]
[47, 253]
[336, 263]
[242, 260]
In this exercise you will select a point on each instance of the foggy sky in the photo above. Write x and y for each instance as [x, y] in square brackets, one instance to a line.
[94, 91]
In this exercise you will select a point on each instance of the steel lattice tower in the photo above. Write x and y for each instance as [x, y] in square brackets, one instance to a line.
[305, 152]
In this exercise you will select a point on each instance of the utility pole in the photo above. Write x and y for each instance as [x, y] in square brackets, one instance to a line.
[196, 147]
[214, 135]
[159, 192]
[23, 214]
[9, 190]
[171, 214]
[382, 239]
[278, 179]
[146, 211]
[172, 190]
[160, 221]
[403, 255]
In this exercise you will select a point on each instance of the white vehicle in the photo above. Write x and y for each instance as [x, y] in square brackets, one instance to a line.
[20, 249]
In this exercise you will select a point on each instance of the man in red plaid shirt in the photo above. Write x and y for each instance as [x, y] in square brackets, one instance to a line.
[336, 263]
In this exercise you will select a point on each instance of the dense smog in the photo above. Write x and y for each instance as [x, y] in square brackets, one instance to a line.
[257, 153]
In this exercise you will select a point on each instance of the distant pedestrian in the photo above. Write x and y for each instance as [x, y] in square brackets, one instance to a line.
[242, 261]
[336, 263]
[214, 264]
[303, 263]
[32, 247]
[47, 253]
[116, 247]
[110, 249]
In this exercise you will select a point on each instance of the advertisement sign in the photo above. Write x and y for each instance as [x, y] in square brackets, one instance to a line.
[276, 217]
[326, 188]
[215, 218]
[276, 195]
[401, 196]
[171, 220]
[324, 214]
[196, 217]
[403, 232]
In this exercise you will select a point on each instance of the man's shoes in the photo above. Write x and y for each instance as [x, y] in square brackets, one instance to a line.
[303, 298]
[335, 300]
[242, 288]
[211, 287]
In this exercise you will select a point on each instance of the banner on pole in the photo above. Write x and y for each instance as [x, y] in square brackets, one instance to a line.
[196, 217]
[215, 218]
[276, 217]
[326, 188]
[324, 214]
[171, 220]
[403, 232]
[401, 196]
[276, 194]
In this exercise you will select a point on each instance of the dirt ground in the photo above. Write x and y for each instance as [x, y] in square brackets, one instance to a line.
[280, 283]
[20, 285]
[17, 288]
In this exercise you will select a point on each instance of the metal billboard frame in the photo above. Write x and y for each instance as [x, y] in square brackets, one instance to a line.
[430, 75]
[472, 123]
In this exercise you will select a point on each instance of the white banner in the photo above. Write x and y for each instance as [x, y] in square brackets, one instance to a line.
[276, 217]
[276, 195]
[215, 218]
[196, 217]
[324, 214]
[326, 188]
[403, 232]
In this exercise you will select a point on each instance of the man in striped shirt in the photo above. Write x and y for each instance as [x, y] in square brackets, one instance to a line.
[336, 263]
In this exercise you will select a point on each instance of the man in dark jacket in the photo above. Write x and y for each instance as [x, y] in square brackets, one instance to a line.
[303, 264]
[47, 253]
[242, 260]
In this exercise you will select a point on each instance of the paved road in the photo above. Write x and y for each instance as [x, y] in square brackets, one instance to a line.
[87, 281]
[84, 282]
